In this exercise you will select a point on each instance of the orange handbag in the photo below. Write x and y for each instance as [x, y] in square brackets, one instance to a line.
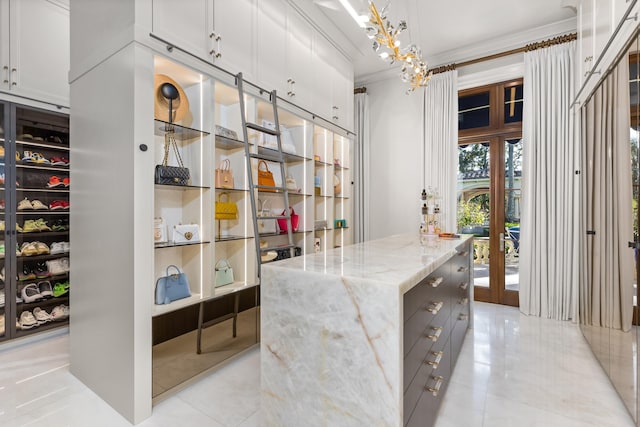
[265, 177]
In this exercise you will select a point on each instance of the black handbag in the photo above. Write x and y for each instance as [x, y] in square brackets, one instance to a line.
[171, 175]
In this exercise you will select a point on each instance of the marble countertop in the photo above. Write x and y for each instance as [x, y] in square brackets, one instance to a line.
[399, 260]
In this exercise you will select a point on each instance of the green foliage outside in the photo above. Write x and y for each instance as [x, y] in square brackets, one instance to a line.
[470, 213]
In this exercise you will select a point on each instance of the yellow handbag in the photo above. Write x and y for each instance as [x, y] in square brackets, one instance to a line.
[225, 209]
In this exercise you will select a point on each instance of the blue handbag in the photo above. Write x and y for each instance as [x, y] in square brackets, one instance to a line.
[172, 287]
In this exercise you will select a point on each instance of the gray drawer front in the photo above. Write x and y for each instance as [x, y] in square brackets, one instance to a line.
[420, 405]
[459, 326]
[422, 318]
[416, 356]
[419, 295]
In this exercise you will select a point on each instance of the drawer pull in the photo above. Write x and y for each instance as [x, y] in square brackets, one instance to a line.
[436, 388]
[435, 307]
[463, 269]
[436, 282]
[464, 286]
[435, 362]
[464, 301]
[463, 317]
[463, 253]
[436, 334]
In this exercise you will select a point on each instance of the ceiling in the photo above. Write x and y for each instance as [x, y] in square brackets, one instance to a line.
[447, 30]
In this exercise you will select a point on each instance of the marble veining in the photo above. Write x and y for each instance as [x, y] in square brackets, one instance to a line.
[332, 331]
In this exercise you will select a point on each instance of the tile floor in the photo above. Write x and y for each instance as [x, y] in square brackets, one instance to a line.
[513, 371]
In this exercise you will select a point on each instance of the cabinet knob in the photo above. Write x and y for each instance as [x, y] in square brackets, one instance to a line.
[436, 388]
[6, 74]
[14, 73]
[435, 307]
[463, 269]
[464, 301]
[463, 285]
[334, 108]
[216, 52]
[436, 281]
[436, 334]
[435, 362]
[335, 117]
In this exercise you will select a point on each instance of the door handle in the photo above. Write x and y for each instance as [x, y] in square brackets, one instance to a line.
[501, 242]
[215, 52]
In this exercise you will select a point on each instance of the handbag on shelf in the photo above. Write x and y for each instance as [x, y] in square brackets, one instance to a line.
[286, 253]
[171, 175]
[265, 177]
[291, 183]
[227, 133]
[186, 233]
[225, 209]
[265, 226]
[224, 273]
[159, 231]
[172, 287]
[224, 175]
[295, 219]
[337, 187]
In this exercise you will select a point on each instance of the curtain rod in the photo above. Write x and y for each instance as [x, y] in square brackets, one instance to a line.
[527, 48]
[359, 90]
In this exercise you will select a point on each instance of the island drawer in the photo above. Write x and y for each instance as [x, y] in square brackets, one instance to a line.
[432, 339]
[425, 317]
[426, 289]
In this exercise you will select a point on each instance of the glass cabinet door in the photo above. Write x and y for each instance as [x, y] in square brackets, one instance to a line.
[4, 125]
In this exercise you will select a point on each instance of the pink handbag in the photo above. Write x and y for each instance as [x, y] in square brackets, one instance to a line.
[295, 219]
[224, 176]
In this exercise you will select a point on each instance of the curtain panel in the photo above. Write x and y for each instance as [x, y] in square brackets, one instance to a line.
[441, 143]
[549, 239]
[361, 178]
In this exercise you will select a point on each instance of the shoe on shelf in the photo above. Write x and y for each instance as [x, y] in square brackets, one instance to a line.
[1, 152]
[45, 288]
[29, 249]
[2, 225]
[2, 274]
[25, 205]
[58, 205]
[40, 159]
[66, 181]
[27, 321]
[55, 181]
[59, 161]
[54, 139]
[41, 271]
[60, 225]
[1, 249]
[26, 274]
[1, 299]
[18, 228]
[26, 156]
[60, 312]
[64, 262]
[67, 246]
[60, 289]
[18, 253]
[55, 267]
[42, 248]
[42, 225]
[41, 316]
[1, 325]
[31, 293]
[2, 203]
[39, 206]
[29, 226]
[57, 248]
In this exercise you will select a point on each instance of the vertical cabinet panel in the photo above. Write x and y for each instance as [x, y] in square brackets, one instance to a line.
[299, 57]
[235, 23]
[38, 50]
[4, 45]
[272, 36]
[188, 24]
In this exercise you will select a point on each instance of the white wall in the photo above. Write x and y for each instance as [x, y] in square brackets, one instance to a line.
[396, 153]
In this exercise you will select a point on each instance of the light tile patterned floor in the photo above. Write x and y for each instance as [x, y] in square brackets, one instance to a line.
[514, 370]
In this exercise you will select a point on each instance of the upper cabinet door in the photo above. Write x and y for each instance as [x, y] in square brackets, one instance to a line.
[235, 24]
[342, 91]
[4, 44]
[323, 72]
[271, 58]
[187, 24]
[299, 58]
[39, 50]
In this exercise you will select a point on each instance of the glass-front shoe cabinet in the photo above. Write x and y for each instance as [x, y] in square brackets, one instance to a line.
[34, 218]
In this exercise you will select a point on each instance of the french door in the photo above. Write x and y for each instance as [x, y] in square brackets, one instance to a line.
[489, 190]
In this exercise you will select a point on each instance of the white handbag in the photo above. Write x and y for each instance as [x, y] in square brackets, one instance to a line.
[159, 231]
[186, 233]
[265, 226]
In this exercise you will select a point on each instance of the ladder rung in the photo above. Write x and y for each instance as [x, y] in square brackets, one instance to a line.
[262, 129]
[268, 189]
[273, 217]
[272, 248]
[267, 157]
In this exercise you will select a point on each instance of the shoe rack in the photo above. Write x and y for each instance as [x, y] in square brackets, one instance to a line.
[34, 207]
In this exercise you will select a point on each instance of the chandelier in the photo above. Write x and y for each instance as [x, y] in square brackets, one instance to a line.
[387, 45]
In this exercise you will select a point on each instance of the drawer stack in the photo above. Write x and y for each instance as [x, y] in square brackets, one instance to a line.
[436, 318]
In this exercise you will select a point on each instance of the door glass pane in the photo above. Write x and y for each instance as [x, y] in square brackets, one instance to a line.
[473, 204]
[512, 204]
[513, 104]
[473, 111]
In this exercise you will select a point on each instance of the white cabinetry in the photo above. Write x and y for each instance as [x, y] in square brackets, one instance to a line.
[34, 50]
[603, 25]
[234, 33]
[299, 58]
[187, 24]
[618, 9]
[272, 30]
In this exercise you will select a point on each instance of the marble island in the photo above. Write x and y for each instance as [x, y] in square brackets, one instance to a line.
[349, 336]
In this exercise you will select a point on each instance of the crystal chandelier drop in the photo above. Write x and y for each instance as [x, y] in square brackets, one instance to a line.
[386, 44]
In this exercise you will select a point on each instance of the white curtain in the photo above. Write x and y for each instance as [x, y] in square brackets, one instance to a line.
[361, 164]
[441, 143]
[606, 297]
[549, 230]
